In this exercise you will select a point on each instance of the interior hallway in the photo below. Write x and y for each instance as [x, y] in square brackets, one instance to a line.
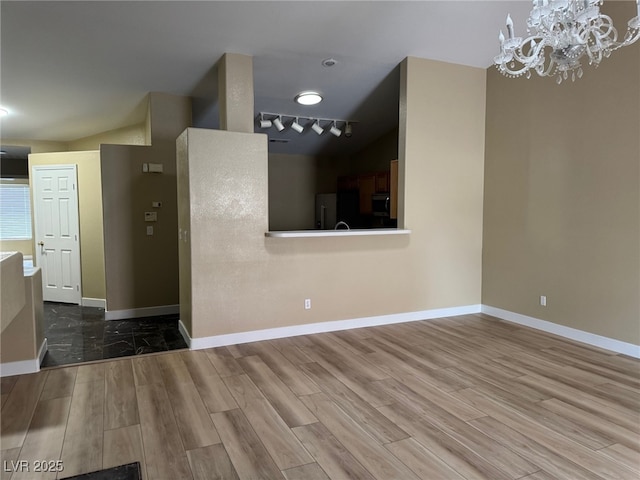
[77, 334]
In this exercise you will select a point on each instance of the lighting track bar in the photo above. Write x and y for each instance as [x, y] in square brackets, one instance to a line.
[306, 117]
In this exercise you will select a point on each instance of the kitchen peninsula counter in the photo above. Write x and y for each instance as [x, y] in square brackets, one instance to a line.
[336, 233]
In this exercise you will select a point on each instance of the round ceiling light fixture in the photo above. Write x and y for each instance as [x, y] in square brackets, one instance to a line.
[308, 98]
[329, 62]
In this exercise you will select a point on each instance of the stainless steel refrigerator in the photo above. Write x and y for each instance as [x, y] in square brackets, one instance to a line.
[326, 211]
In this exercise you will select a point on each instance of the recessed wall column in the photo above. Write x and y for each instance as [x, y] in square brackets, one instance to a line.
[235, 92]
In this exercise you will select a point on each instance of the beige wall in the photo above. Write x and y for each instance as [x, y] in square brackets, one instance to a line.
[22, 338]
[562, 197]
[23, 246]
[130, 135]
[235, 92]
[376, 156]
[292, 189]
[241, 281]
[90, 215]
[141, 270]
[441, 150]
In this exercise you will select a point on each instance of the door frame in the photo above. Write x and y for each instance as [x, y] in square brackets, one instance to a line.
[34, 208]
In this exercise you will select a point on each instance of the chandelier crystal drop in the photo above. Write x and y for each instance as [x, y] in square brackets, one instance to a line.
[560, 35]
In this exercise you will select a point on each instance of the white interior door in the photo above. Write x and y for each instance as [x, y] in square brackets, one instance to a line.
[57, 231]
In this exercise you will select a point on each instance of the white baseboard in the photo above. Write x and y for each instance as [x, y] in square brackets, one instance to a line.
[94, 302]
[141, 312]
[567, 332]
[321, 327]
[22, 367]
[183, 331]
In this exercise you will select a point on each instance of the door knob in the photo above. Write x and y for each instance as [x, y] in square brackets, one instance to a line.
[41, 244]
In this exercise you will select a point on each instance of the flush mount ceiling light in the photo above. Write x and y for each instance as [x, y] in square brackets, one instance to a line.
[296, 126]
[569, 30]
[264, 123]
[278, 124]
[335, 130]
[329, 62]
[308, 98]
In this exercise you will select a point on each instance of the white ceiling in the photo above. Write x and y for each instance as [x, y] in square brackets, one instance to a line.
[73, 69]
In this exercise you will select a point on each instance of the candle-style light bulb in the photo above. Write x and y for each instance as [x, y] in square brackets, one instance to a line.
[509, 26]
[501, 38]
[638, 3]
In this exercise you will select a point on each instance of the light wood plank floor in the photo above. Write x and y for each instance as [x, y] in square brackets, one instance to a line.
[467, 397]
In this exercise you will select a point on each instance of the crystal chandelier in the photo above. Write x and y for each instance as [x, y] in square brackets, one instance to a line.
[568, 31]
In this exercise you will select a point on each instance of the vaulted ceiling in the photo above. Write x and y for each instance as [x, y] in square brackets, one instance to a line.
[73, 69]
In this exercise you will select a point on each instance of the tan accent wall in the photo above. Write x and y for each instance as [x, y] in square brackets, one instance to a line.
[142, 270]
[241, 281]
[562, 196]
[90, 215]
[130, 135]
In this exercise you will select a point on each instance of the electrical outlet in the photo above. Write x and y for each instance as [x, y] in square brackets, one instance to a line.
[543, 300]
[307, 304]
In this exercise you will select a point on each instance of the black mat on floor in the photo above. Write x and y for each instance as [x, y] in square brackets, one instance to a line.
[130, 471]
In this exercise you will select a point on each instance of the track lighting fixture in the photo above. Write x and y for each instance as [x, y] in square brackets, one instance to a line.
[317, 128]
[264, 123]
[276, 120]
[278, 123]
[296, 126]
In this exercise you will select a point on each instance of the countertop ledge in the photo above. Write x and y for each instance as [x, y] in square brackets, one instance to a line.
[336, 233]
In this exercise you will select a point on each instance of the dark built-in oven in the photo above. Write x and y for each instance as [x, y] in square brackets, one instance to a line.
[380, 204]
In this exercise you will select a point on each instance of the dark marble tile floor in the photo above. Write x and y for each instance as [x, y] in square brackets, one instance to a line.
[78, 334]
[130, 471]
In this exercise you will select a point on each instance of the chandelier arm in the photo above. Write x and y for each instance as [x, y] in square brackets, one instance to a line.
[561, 34]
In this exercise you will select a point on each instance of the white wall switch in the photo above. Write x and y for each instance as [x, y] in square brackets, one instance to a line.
[150, 216]
[156, 204]
[145, 167]
[307, 303]
[149, 230]
[543, 300]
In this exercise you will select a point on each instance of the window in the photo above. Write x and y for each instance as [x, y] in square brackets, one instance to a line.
[15, 211]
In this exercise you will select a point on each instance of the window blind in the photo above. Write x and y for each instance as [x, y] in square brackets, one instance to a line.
[15, 212]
